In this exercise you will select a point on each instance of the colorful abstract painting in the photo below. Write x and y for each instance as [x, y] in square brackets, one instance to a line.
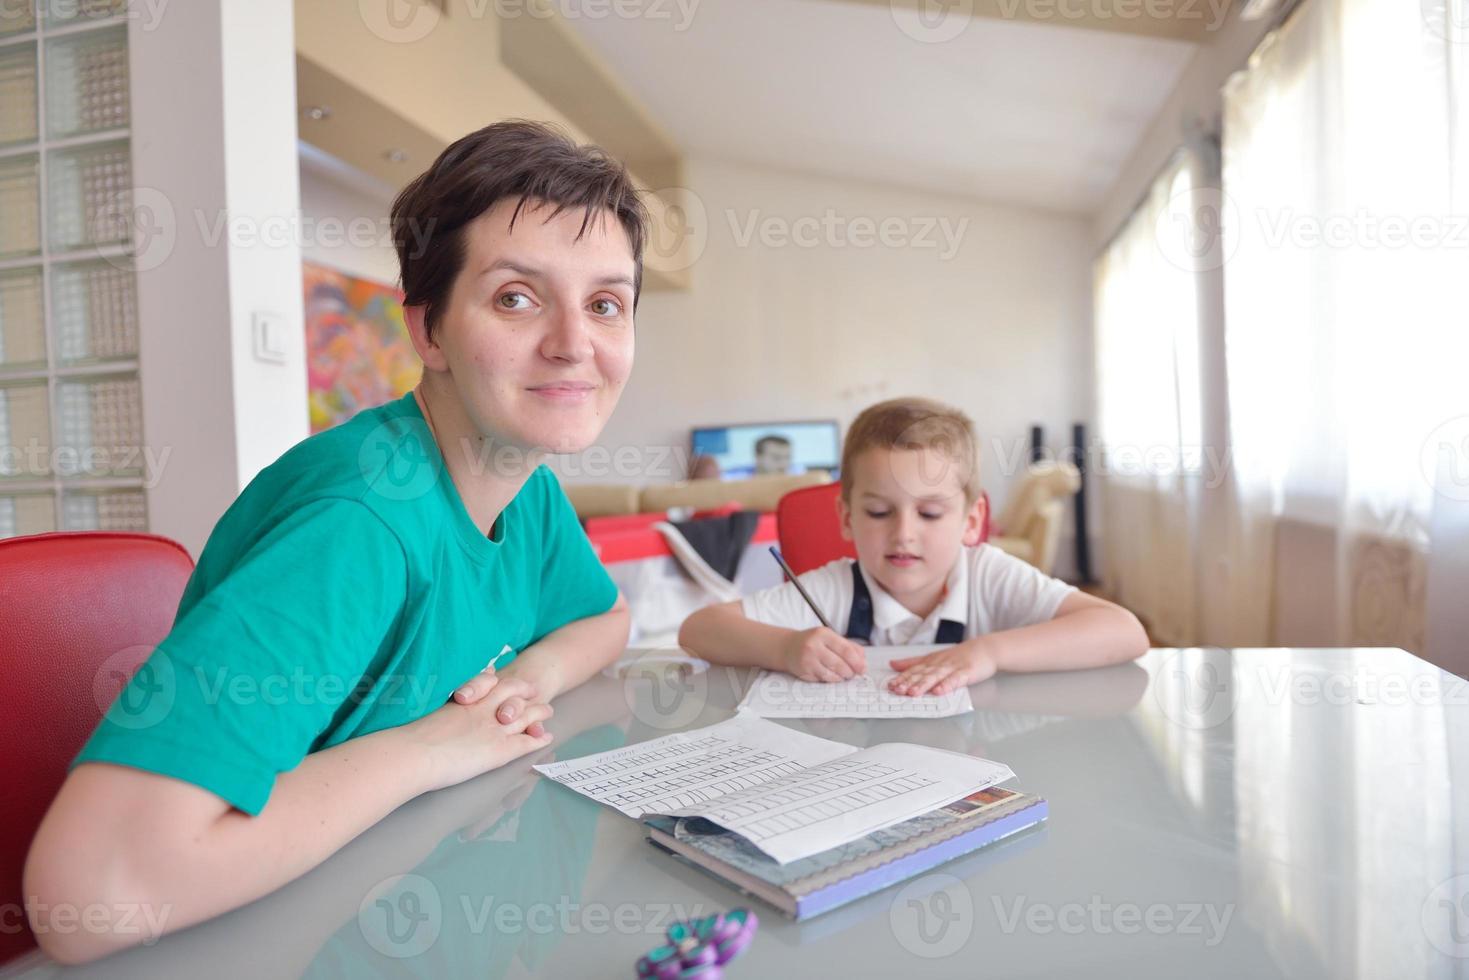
[358, 354]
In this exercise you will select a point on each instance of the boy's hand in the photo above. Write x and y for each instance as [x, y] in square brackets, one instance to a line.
[465, 740]
[943, 670]
[821, 655]
[478, 687]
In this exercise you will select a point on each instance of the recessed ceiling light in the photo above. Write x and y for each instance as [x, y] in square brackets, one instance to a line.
[395, 155]
[317, 112]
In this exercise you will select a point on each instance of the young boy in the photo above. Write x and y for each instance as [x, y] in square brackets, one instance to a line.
[910, 503]
[329, 658]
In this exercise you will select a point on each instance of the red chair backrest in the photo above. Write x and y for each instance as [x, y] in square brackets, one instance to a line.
[79, 611]
[809, 528]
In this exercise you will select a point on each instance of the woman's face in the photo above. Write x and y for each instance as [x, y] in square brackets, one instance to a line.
[537, 336]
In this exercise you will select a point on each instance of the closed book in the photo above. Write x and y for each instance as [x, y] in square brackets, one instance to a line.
[828, 879]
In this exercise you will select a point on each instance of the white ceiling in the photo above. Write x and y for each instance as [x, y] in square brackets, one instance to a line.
[1034, 114]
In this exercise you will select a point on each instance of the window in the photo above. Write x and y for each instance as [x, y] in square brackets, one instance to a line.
[71, 448]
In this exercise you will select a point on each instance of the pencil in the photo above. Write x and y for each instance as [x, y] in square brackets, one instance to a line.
[799, 588]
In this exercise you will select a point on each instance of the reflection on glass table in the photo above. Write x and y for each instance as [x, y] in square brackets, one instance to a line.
[1214, 813]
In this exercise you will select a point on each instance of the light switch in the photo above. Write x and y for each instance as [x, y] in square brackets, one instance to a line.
[270, 337]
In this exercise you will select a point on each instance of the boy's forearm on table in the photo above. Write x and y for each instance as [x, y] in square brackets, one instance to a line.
[723, 635]
[1085, 638]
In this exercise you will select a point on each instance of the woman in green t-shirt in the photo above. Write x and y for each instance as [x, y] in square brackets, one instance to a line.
[391, 606]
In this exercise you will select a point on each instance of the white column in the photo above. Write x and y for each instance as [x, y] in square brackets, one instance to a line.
[217, 204]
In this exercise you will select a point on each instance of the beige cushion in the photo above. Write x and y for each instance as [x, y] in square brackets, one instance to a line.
[1042, 483]
[602, 499]
[757, 493]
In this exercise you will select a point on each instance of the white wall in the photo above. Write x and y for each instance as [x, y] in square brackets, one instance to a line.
[1001, 327]
[337, 203]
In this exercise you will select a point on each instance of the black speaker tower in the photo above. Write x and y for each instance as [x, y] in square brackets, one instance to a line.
[1083, 543]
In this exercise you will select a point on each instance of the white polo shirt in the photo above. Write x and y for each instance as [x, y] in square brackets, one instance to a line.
[987, 591]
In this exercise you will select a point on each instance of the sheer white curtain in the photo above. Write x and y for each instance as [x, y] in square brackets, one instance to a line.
[1147, 333]
[1345, 286]
[1448, 576]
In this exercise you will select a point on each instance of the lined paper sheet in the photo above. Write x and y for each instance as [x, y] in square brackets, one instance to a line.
[819, 808]
[776, 694]
[693, 767]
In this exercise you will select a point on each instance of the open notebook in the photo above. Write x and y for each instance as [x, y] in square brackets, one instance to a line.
[774, 694]
[789, 794]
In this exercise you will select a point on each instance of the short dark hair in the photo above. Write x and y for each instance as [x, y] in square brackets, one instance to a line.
[529, 161]
[764, 441]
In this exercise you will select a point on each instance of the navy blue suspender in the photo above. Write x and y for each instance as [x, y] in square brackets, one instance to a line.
[859, 620]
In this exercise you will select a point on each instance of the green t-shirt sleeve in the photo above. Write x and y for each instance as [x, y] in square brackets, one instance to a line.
[255, 670]
[574, 585]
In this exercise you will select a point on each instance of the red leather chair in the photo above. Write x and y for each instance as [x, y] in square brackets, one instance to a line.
[810, 527]
[79, 611]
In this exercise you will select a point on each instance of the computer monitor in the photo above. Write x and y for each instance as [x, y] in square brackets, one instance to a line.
[751, 448]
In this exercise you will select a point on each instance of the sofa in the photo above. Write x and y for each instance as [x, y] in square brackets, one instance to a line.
[1030, 525]
[762, 493]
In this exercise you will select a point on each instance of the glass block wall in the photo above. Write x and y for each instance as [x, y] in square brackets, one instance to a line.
[72, 455]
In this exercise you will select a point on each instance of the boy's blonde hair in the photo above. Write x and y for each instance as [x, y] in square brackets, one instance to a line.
[914, 423]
